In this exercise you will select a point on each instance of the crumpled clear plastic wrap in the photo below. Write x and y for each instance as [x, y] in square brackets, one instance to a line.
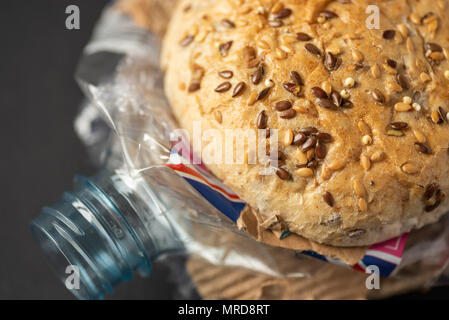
[127, 122]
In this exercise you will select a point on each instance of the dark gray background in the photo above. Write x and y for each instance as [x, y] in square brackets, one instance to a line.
[40, 153]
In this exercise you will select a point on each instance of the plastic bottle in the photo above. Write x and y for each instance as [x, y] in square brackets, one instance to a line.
[109, 227]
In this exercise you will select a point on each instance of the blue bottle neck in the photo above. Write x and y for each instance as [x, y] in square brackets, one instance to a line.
[104, 230]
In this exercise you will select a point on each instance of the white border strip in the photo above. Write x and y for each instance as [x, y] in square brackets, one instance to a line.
[384, 256]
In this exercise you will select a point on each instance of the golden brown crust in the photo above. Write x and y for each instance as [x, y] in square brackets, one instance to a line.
[149, 14]
[376, 171]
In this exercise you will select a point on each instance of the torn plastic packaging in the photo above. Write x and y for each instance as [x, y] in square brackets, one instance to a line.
[146, 203]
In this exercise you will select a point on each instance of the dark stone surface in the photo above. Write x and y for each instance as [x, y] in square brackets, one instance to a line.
[40, 151]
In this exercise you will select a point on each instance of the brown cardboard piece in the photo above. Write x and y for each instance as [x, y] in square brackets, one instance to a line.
[329, 282]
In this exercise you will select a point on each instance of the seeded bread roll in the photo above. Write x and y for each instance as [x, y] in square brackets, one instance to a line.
[361, 112]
